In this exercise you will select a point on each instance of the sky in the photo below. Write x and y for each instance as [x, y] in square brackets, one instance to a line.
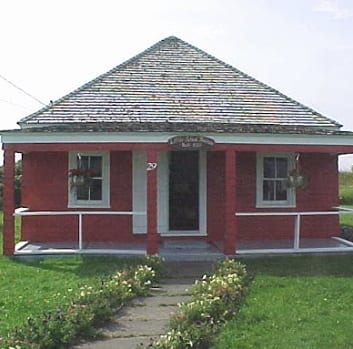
[303, 48]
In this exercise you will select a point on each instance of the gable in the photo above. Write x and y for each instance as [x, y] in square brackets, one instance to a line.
[171, 84]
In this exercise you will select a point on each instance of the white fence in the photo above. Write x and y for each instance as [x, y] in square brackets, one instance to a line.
[297, 223]
[25, 212]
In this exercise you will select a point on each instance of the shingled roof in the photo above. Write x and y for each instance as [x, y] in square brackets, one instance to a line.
[176, 86]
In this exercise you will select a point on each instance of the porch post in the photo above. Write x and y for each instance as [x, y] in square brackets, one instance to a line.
[229, 243]
[8, 202]
[152, 238]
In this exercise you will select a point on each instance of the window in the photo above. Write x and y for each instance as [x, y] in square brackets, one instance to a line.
[94, 190]
[272, 173]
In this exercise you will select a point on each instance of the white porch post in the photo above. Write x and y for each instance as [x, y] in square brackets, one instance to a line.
[297, 231]
[80, 231]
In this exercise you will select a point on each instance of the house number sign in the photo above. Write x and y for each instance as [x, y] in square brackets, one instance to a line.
[151, 166]
[191, 142]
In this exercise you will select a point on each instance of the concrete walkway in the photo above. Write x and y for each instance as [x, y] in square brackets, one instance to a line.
[145, 318]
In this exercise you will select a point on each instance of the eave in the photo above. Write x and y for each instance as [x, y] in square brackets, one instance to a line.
[337, 142]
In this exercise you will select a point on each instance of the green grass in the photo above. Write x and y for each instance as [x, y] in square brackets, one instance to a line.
[295, 302]
[28, 288]
[346, 188]
[346, 218]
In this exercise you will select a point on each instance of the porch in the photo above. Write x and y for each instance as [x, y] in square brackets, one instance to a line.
[186, 249]
[191, 250]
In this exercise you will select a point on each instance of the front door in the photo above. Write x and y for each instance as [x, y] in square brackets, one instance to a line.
[184, 191]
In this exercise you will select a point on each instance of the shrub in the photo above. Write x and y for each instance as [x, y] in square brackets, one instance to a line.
[214, 300]
[91, 306]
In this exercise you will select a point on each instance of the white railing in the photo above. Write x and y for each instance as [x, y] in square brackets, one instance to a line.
[297, 218]
[25, 212]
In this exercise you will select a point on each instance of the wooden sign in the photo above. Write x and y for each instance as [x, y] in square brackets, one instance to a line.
[191, 142]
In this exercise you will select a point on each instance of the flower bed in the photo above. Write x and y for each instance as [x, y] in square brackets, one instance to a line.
[89, 307]
[214, 300]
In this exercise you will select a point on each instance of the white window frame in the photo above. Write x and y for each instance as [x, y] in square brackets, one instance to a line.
[260, 202]
[139, 191]
[105, 202]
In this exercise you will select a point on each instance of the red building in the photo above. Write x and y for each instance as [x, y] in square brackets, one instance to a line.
[174, 144]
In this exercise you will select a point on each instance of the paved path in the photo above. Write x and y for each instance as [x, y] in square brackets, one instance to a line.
[145, 318]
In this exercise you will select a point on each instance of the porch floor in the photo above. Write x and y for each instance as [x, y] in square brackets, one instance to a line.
[190, 250]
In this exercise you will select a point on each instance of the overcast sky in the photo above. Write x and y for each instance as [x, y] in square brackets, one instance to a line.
[303, 48]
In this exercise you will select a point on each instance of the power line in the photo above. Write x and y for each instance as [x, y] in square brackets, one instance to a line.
[22, 90]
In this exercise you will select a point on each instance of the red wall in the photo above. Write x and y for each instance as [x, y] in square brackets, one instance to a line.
[44, 188]
[320, 194]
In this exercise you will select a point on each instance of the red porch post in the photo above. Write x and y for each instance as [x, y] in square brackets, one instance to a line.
[152, 238]
[229, 243]
[8, 202]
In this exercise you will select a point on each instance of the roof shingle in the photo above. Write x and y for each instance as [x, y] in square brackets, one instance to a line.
[175, 82]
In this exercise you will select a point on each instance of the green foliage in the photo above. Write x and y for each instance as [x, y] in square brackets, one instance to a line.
[294, 302]
[17, 183]
[88, 306]
[214, 300]
[346, 188]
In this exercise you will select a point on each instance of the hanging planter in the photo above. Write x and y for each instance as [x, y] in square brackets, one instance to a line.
[295, 178]
[79, 176]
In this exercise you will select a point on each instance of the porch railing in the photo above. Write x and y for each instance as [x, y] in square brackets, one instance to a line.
[297, 219]
[79, 214]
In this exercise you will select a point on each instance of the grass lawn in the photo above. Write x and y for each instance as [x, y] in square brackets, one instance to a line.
[295, 302]
[346, 218]
[29, 288]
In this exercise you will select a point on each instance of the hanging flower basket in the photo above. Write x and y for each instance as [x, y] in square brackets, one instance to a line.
[295, 179]
[80, 176]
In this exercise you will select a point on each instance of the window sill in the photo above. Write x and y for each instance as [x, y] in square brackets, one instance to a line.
[275, 206]
[88, 206]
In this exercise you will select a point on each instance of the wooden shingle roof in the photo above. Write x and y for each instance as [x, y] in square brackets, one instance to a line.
[176, 86]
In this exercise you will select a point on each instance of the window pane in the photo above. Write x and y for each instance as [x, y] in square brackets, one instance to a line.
[96, 164]
[269, 167]
[268, 190]
[281, 190]
[82, 192]
[96, 189]
[282, 168]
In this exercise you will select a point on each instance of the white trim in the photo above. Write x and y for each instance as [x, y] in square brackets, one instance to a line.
[75, 213]
[163, 137]
[105, 202]
[260, 202]
[293, 250]
[80, 233]
[305, 213]
[163, 192]
[139, 191]
[91, 251]
[344, 241]
[183, 233]
[203, 193]
[163, 196]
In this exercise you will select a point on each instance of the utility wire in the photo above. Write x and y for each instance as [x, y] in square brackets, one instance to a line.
[22, 90]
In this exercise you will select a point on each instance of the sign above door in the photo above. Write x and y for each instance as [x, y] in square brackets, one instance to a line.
[191, 142]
